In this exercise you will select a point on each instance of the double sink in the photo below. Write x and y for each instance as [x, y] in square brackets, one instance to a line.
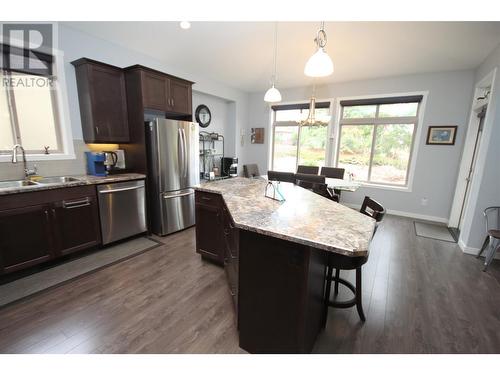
[42, 181]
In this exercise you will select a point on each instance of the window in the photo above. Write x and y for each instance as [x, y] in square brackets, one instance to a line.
[376, 138]
[28, 113]
[297, 142]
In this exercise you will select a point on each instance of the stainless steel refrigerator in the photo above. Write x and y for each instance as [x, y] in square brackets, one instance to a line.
[173, 162]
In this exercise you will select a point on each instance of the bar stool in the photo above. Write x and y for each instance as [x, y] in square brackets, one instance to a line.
[492, 240]
[339, 262]
[318, 188]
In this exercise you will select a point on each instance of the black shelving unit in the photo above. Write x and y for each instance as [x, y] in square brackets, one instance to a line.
[210, 153]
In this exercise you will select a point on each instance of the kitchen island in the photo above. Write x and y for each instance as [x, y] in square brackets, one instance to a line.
[275, 256]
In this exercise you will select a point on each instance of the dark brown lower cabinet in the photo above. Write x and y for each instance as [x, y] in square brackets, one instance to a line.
[75, 224]
[38, 226]
[280, 303]
[217, 238]
[209, 226]
[231, 250]
[25, 238]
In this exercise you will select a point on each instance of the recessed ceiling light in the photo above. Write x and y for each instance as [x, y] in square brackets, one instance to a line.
[185, 25]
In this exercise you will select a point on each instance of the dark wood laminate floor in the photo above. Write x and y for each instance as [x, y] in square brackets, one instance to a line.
[420, 296]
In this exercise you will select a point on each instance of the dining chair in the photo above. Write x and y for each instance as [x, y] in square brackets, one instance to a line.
[340, 262]
[281, 176]
[331, 172]
[251, 170]
[308, 169]
[492, 240]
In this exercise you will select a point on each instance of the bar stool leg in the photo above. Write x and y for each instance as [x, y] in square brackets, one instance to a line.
[485, 245]
[337, 276]
[327, 294]
[491, 253]
[359, 293]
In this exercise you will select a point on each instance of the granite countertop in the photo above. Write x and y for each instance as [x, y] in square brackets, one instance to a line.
[305, 217]
[80, 180]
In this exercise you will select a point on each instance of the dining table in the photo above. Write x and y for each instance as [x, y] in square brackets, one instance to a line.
[343, 185]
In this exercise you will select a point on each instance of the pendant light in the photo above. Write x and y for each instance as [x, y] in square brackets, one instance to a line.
[319, 64]
[273, 95]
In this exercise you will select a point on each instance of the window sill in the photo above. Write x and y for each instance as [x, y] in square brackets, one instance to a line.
[4, 158]
[405, 189]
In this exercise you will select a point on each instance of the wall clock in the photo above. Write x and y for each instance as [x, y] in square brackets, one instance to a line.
[203, 115]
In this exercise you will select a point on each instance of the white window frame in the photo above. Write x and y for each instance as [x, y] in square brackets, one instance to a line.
[62, 120]
[272, 115]
[415, 141]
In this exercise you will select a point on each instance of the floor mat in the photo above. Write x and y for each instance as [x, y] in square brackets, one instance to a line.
[54, 276]
[434, 231]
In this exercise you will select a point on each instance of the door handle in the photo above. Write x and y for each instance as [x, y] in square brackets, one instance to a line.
[166, 196]
[185, 153]
[121, 189]
[182, 151]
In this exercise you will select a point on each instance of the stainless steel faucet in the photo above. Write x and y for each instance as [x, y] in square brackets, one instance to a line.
[27, 172]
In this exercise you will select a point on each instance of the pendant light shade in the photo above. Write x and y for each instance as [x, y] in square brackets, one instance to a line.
[273, 95]
[319, 64]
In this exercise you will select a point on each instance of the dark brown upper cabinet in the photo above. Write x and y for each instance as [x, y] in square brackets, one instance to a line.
[163, 92]
[103, 102]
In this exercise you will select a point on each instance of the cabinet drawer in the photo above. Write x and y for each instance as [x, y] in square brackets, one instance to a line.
[208, 199]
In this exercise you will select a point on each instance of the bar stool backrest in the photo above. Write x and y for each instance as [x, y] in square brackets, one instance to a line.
[372, 208]
[281, 176]
[316, 187]
[308, 169]
[309, 177]
[492, 217]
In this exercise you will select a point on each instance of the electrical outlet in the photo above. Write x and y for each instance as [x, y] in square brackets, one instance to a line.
[424, 201]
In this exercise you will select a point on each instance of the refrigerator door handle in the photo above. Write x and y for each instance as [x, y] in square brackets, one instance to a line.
[182, 153]
[186, 161]
[179, 194]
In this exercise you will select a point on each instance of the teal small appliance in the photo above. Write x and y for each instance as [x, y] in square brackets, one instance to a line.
[95, 163]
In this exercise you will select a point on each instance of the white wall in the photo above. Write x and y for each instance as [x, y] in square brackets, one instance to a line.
[485, 189]
[448, 103]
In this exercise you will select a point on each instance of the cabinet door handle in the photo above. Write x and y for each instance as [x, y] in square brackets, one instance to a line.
[173, 102]
[76, 204]
[206, 198]
[97, 130]
[46, 212]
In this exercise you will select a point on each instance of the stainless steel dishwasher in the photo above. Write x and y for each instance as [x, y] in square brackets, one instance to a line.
[122, 208]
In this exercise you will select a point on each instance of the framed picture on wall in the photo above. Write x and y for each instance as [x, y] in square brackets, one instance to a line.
[441, 135]
[257, 135]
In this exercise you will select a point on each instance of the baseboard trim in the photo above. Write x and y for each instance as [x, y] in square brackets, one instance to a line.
[466, 249]
[412, 215]
[473, 250]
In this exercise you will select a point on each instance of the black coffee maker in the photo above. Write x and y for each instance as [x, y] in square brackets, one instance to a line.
[229, 167]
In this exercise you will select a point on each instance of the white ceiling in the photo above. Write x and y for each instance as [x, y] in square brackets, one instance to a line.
[239, 54]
